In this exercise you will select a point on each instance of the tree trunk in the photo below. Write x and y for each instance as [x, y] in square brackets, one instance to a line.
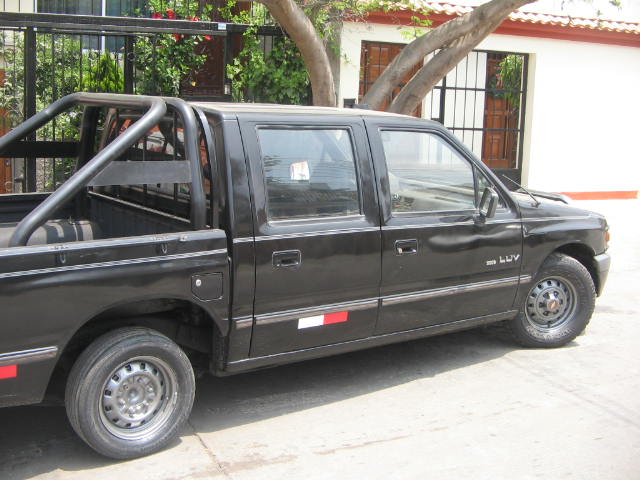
[295, 22]
[456, 37]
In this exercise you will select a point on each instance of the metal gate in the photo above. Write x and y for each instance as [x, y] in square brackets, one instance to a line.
[46, 56]
[482, 100]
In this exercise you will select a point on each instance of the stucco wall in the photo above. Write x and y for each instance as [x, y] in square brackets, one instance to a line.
[22, 6]
[582, 126]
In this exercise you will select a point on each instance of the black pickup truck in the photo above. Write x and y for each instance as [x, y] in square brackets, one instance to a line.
[244, 236]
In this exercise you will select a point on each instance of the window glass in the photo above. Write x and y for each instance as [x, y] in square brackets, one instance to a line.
[309, 173]
[426, 174]
[152, 172]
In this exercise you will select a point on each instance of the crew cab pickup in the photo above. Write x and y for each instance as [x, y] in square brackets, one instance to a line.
[244, 236]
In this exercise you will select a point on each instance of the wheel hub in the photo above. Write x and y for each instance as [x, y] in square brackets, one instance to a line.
[551, 302]
[134, 394]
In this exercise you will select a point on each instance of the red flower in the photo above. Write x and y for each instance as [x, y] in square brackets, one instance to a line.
[157, 15]
[176, 36]
[207, 37]
[171, 13]
[195, 19]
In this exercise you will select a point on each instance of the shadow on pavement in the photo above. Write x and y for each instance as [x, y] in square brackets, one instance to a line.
[35, 440]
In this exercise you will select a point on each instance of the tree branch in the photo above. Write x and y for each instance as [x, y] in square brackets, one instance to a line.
[294, 21]
[478, 23]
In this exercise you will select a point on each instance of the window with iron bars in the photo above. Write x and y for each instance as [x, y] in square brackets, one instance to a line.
[482, 101]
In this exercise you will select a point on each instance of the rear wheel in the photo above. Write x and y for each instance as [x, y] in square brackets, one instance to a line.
[558, 306]
[130, 392]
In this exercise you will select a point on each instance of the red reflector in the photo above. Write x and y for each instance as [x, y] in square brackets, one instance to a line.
[336, 317]
[10, 371]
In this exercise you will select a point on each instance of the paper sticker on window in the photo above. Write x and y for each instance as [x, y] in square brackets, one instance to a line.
[299, 171]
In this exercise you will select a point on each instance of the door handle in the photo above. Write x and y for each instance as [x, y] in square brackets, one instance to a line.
[287, 258]
[406, 247]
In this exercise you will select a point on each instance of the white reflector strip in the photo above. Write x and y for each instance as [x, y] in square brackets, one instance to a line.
[327, 319]
[308, 322]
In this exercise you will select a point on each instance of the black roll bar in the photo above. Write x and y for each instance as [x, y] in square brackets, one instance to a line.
[192, 152]
[214, 178]
[156, 109]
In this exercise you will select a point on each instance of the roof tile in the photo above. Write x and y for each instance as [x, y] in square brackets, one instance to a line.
[540, 18]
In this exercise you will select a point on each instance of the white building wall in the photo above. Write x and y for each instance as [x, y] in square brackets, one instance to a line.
[22, 6]
[582, 121]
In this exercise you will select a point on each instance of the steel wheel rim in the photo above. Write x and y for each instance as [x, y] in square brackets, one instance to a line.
[551, 304]
[138, 398]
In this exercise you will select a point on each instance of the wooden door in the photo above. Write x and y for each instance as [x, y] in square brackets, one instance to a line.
[500, 145]
[374, 58]
[208, 81]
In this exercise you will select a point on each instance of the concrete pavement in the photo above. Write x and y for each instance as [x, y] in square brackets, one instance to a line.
[466, 405]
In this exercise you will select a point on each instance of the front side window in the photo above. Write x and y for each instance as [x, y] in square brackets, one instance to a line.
[309, 173]
[426, 174]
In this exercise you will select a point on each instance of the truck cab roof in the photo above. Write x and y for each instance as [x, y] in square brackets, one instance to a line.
[233, 110]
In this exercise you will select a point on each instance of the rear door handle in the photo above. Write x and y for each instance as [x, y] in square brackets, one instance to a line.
[406, 247]
[287, 258]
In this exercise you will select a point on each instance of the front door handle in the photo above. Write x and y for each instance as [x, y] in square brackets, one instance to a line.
[406, 247]
[287, 258]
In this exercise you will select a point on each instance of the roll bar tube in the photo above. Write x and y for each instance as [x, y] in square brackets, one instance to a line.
[192, 151]
[156, 109]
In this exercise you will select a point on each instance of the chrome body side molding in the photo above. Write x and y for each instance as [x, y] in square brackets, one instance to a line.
[28, 356]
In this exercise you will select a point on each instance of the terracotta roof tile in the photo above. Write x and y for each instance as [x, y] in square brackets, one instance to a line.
[540, 18]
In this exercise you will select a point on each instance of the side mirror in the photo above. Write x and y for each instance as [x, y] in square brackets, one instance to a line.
[488, 203]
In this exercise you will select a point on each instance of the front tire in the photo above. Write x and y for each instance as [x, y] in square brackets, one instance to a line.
[558, 306]
[130, 392]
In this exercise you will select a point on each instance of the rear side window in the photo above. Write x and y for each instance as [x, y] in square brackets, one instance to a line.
[153, 172]
[309, 173]
[426, 174]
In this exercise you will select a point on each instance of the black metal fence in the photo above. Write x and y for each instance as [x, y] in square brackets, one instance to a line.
[46, 56]
[483, 101]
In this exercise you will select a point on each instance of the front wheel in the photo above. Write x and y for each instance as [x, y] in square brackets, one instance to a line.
[130, 392]
[558, 306]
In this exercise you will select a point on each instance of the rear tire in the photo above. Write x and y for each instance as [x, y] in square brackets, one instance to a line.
[130, 392]
[558, 306]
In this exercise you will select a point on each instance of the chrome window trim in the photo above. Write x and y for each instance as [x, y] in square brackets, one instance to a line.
[433, 213]
[449, 224]
[427, 225]
[320, 233]
[316, 219]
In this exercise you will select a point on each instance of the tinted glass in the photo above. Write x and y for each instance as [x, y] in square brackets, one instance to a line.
[426, 174]
[309, 173]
